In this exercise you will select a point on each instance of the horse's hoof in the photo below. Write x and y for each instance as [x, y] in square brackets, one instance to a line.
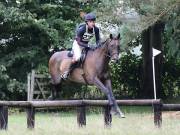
[117, 113]
[50, 98]
[122, 115]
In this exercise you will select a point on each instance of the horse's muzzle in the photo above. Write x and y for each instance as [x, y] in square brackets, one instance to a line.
[114, 60]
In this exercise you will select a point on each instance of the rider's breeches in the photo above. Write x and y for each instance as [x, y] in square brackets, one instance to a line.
[76, 50]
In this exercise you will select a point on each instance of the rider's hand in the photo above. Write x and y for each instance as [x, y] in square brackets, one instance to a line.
[89, 46]
[92, 47]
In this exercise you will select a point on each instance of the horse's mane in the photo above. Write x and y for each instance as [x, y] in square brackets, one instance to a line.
[102, 43]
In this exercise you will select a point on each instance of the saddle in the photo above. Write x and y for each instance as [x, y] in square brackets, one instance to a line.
[82, 58]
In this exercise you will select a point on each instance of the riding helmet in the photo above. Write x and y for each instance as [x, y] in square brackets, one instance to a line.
[90, 17]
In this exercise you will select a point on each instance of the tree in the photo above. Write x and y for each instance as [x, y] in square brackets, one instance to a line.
[148, 15]
[28, 29]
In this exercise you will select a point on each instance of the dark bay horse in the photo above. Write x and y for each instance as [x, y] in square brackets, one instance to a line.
[95, 69]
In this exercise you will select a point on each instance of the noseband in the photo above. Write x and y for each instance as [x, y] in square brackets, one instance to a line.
[110, 55]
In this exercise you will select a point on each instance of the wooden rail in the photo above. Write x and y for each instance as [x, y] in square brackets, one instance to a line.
[81, 109]
[171, 107]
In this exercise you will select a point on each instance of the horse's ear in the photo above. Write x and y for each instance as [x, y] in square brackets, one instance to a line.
[119, 36]
[111, 36]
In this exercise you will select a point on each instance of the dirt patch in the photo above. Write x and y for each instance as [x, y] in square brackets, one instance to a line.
[171, 114]
[168, 114]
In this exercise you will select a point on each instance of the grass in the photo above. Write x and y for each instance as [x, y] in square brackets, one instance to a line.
[138, 121]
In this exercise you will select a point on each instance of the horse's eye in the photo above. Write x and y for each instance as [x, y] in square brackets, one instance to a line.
[111, 45]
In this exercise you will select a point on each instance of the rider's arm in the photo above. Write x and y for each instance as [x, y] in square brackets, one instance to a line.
[81, 43]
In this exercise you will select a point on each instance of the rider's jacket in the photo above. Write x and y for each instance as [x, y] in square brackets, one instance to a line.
[84, 35]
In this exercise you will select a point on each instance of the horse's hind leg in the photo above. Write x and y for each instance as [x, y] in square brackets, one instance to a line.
[55, 91]
[56, 86]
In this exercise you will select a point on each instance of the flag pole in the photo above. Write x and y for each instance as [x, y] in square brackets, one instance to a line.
[155, 52]
[154, 82]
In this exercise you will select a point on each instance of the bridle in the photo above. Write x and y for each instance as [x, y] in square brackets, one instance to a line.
[109, 54]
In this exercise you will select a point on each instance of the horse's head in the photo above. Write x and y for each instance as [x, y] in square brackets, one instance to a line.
[113, 48]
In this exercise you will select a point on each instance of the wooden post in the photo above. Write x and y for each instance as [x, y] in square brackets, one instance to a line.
[28, 86]
[30, 117]
[147, 64]
[157, 114]
[81, 116]
[32, 85]
[3, 117]
[107, 116]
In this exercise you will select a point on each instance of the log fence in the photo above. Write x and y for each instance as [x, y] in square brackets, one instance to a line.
[81, 105]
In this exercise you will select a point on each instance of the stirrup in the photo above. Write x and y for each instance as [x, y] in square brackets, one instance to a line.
[65, 75]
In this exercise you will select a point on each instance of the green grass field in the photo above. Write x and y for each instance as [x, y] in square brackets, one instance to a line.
[138, 121]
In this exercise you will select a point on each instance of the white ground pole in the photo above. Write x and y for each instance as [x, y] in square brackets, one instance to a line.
[155, 53]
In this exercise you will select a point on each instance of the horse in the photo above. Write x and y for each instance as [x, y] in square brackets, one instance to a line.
[94, 70]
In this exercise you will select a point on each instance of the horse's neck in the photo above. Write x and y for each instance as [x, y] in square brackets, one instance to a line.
[102, 54]
[103, 50]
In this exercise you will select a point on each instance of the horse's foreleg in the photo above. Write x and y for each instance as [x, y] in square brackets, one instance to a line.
[104, 89]
[115, 106]
[107, 84]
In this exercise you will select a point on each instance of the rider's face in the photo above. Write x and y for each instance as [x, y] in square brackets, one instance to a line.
[91, 24]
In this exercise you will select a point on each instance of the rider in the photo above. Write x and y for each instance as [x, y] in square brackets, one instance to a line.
[84, 33]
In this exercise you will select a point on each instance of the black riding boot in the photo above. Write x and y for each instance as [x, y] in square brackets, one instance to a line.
[66, 74]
